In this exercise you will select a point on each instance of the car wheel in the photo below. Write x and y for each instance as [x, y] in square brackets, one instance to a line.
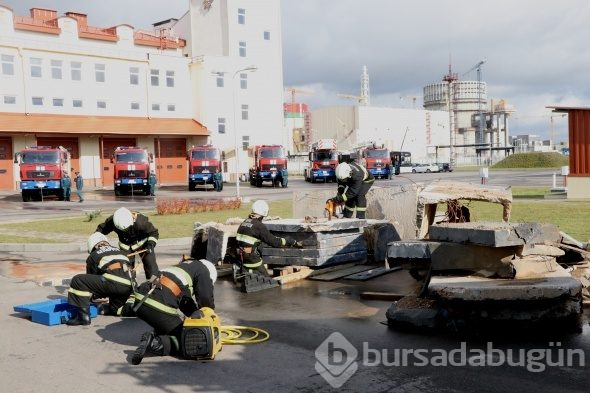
[413, 171]
[428, 171]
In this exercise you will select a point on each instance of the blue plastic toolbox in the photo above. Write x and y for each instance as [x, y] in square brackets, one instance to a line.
[52, 312]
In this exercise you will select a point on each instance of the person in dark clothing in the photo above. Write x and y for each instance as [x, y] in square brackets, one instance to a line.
[152, 181]
[106, 276]
[250, 236]
[135, 233]
[187, 286]
[79, 180]
[66, 186]
[218, 181]
[354, 181]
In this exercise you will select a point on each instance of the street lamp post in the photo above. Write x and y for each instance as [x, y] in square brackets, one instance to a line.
[251, 68]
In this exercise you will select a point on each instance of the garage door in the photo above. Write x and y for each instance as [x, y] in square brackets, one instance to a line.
[108, 148]
[6, 164]
[171, 164]
[71, 144]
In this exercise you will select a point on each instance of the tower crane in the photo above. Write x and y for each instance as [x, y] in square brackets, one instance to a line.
[296, 90]
[365, 97]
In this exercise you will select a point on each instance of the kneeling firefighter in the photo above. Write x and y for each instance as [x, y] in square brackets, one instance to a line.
[187, 286]
[107, 275]
[250, 236]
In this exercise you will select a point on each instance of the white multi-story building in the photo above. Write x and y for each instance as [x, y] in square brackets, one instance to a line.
[64, 82]
[235, 47]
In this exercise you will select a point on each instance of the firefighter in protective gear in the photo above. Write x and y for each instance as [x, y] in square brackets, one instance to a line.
[187, 286]
[135, 233]
[354, 181]
[250, 236]
[106, 276]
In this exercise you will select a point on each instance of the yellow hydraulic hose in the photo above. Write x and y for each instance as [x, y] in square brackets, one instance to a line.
[231, 335]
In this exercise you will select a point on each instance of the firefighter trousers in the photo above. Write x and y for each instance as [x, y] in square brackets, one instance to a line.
[149, 264]
[358, 203]
[84, 286]
[157, 312]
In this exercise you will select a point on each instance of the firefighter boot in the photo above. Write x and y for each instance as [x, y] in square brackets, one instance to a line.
[82, 318]
[144, 344]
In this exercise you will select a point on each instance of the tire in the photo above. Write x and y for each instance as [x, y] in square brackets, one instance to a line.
[117, 192]
[258, 183]
[26, 196]
[428, 171]
[413, 171]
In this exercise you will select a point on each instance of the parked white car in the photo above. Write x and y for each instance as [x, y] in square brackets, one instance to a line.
[425, 168]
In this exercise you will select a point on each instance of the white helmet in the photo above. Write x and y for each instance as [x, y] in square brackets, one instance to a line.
[122, 218]
[94, 239]
[343, 171]
[260, 207]
[211, 268]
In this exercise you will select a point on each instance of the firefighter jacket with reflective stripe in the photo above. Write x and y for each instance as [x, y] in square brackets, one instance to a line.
[351, 187]
[251, 233]
[102, 260]
[135, 237]
[193, 279]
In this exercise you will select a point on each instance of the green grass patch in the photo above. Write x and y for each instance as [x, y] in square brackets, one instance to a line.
[169, 226]
[25, 239]
[530, 192]
[533, 160]
[570, 216]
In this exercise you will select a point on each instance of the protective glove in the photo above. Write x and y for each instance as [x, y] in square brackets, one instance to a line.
[149, 247]
[289, 242]
[338, 198]
[197, 314]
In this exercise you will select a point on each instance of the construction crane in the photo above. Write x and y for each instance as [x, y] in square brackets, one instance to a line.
[296, 90]
[479, 137]
[365, 97]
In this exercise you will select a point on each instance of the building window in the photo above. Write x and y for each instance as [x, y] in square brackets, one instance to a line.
[171, 107]
[243, 81]
[155, 107]
[134, 75]
[155, 77]
[170, 78]
[245, 142]
[267, 35]
[219, 80]
[36, 70]
[241, 16]
[99, 72]
[135, 106]
[56, 69]
[244, 112]
[37, 101]
[76, 68]
[77, 103]
[242, 49]
[58, 102]
[7, 64]
[9, 100]
[221, 125]
[101, 104]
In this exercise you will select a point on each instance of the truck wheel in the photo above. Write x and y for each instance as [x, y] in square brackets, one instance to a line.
[117, 192]
[259, 183]
[26, 196]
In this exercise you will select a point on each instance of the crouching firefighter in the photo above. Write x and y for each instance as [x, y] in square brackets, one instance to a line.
[107, 275]
[187, 286]
[354, 182]
[251, 235]
[136, 233]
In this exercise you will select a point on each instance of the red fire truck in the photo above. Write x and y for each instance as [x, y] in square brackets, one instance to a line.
[268, 163]
[204, 161]
[323, 159]
[376, 159]
[132, 170]
[41, 170]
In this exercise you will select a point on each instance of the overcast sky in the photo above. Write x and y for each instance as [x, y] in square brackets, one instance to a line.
[536, 51]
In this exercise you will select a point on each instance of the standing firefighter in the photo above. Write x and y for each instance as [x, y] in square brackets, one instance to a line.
[152, 181]
[354, 181]
[251, 234]
[66, 185]
[135, 233]
[187, 287]
[106, 276]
